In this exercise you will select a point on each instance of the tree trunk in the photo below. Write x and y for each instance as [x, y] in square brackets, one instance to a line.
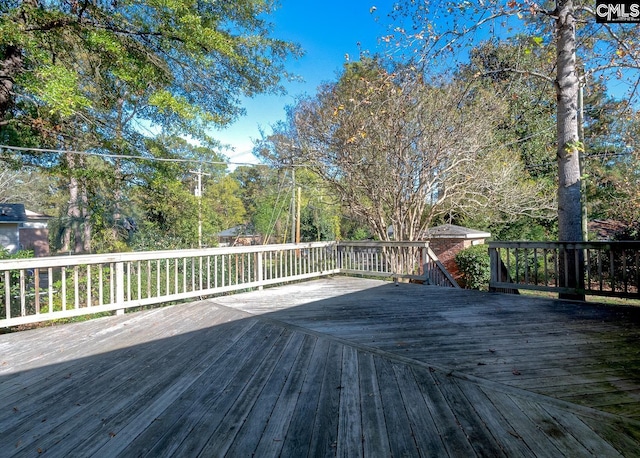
[73, 233]
[10, 66]
[118, 174]
[86, 220]
[117, 199]
[73, 217]
[567, 87]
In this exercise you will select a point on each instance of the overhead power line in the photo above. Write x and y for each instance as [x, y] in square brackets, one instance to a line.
[121, 156]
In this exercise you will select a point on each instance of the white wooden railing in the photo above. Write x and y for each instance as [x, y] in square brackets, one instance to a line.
[576, 268]
[400, 260]
[51, 288]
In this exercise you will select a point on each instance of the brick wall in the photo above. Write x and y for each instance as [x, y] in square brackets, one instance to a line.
[36, 240]
[446, 250]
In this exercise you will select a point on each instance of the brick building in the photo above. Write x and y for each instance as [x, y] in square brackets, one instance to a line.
[448, 240]
[21, 229]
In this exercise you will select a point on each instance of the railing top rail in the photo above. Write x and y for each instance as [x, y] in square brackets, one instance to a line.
[624, 244]
[74, 260]
[376, 244]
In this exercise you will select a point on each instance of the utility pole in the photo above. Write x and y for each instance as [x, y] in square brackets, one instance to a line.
[198, 194]
[293, 204]
[298, 215]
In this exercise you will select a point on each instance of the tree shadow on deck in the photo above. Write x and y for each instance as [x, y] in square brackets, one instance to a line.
[342, 366]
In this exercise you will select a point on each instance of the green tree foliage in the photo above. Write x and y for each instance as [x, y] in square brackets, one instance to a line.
[529, 129]
[398, 152]
[611, 162]
[222, 201]
[585, 51]
[528, 125]
[474, 266]
[320, 213]
[27, 185]
[440, 33]
[266, 195]
[164, 203]
[87, 75]
[180, 63]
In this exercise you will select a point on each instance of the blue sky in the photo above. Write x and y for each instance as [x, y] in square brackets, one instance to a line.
[327, 32]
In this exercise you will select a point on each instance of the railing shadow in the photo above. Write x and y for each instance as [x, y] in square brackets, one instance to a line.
[184, 378]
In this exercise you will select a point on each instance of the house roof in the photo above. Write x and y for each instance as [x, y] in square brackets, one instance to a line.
[606, 229]
[235, 231]
[12, 213]
[16, 213]
[451, 231]
[31, 215]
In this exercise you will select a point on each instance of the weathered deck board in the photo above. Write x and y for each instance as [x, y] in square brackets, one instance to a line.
[374, 433]
[547, 343]
[339, 366]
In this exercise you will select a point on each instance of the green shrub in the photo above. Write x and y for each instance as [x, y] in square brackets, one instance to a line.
[474, 266]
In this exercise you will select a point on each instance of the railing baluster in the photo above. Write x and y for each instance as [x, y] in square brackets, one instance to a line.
[50, 288]
[578, 268]
[176, 276]
[139, 274]
[119, 278]
[76, 288]
[158, 277]
[224, 263]
[624, 271]
[7, 294]
[23, 305]
[637, 273]
[88, 285]
[167, 277]
[193, 274]
[612, 274]
[149, 278]
[601, 277]
[535, 266]
[599, 268]
[112, 283]
[184, 275]
[587, 273]
[259, 268]
[215, 272]
[154, 277]
[36, 287]
[128, 281]
[565, 271]
[63, 273]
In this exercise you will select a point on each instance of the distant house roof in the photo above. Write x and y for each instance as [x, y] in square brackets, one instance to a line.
[235, 231]
[451, 231]
[606, 229]
[36, 216]
[12, 213]
[16, 213]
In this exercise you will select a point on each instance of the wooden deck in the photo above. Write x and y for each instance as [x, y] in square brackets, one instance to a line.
[333, 367]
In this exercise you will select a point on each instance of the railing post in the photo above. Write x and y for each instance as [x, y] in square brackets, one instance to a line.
[119, 287]
[572, 271]
[424, 255]
[494, 268]
[259, 255]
